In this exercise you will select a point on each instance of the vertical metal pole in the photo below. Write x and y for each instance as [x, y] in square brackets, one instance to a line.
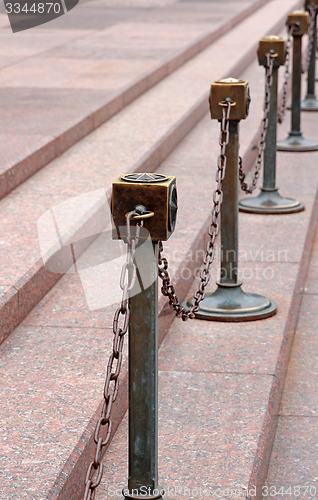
[229, 212]
[143, 384]
[295, 140]
[312, 64]
[269, 173]
[269, 201]
[296, 90]
[310, 103]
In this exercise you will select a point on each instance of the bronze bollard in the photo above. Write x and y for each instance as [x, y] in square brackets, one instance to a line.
[269, 201]
[229, 302]
[295, 141]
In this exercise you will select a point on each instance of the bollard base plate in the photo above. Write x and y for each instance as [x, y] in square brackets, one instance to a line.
[310, 103]
[296, 142]
[269, 201]
[230, 303]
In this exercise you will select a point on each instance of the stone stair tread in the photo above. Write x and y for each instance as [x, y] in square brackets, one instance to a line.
[222, 406]
[66, 80]
[60, 327]
[122, 144]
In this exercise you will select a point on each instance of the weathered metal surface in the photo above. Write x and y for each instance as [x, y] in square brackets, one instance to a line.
[310, 103]
[230, 88]
[143, 382]
[229, 302]
[269, 201]
[295, 140]
[271, 43]
[156, 192]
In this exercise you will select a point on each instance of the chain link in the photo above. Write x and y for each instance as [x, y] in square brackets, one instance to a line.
[311, 31]
[261, 143]
[168, 289]
[281, 113]
[120, 326]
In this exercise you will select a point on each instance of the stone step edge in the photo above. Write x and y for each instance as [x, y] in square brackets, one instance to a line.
[25, 168]
[30, 288]
[69, 484]
[268, 431]
[70, 480]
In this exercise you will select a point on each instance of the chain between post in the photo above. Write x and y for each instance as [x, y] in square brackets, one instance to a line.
[120, 326]
[311, 30]
[282, 111]
[167, 288]
[261, 143]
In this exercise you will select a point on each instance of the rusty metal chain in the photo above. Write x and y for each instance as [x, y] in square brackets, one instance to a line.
[168, 289]
[261, 143]
[311, 31]
[120, 326]
[282, 111]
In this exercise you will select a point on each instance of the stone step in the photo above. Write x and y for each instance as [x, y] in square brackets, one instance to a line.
[220, 384]
[65, 78]
[136, 139]
[53, 363]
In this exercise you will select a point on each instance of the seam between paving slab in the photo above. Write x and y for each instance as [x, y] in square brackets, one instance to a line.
[267, 436]
[61, 143]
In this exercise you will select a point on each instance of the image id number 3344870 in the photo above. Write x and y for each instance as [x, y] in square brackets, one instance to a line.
[296, 491]
[32, 8]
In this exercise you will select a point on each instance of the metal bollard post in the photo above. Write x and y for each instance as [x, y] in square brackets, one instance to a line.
[295, 140]
[229, 302]
[269, 201]
[310, 103]
[158, 194]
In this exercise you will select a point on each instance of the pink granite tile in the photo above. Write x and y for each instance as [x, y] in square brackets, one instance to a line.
[294, 459]
[73, 74]
[66, 305]
[311, 285]
[26, 44]
[9, 306]
[244, 348]
[53, 381]
[207, 425]
[300, 396]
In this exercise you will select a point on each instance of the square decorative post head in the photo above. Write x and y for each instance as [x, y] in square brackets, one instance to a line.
[156, 193]
[235, 90]
[271, 44]
[299, 19]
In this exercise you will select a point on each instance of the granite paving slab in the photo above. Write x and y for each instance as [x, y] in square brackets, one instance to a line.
[122, 144]
[294, 459]
[36, 61]
[250, 386]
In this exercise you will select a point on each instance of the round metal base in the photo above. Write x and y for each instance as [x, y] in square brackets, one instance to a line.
[296, 143]
[309, 104]
[270, 202]
[230, 303]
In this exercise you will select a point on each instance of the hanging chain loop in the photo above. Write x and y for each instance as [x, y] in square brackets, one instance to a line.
[120, 326]
[270, 56]
[168, 289]
[282, 111]
[311, 32]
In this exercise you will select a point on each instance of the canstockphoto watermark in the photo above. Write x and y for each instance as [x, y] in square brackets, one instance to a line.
[183, 491]
[76, 236]
[26, 14]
